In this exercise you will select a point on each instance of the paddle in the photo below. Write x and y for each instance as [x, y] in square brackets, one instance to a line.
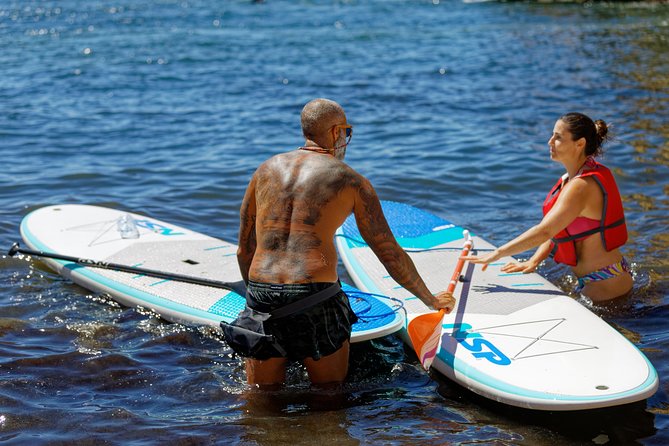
[237, 287]
[425, 330]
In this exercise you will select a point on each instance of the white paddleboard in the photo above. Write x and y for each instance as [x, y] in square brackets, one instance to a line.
[90, 232]
[513, 338]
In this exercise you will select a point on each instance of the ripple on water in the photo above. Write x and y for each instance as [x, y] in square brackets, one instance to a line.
[167, 108]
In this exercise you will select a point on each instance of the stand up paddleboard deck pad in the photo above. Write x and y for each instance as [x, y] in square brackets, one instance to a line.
[90, 232]
[513, 338]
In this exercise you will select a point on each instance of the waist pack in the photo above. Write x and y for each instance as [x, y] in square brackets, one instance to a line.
[247, 337]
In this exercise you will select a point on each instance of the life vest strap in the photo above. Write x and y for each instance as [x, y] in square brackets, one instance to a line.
[589, 232]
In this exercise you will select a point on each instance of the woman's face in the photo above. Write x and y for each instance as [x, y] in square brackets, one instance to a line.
[562, 145]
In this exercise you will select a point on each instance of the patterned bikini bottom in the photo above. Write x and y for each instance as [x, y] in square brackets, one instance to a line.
[607, 272]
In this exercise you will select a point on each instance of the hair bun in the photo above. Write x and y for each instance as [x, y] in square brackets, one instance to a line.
[602, 131]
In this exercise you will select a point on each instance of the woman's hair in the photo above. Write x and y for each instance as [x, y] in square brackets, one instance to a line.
[595, 133]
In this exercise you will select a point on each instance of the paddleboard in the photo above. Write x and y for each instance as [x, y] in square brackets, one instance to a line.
[92, 232]
[513, 338]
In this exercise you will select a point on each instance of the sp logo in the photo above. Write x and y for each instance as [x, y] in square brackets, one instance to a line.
[477, 344]
[155, 227]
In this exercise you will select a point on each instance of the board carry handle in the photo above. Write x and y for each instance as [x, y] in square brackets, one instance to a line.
[457, 274]
[238, 287]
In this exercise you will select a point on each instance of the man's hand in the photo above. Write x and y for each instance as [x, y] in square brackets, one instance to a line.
[444, 300]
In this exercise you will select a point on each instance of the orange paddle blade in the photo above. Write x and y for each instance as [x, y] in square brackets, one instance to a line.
[424, 332]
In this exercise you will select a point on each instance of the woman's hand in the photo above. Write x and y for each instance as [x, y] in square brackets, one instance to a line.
[486, 259]
[528, 266]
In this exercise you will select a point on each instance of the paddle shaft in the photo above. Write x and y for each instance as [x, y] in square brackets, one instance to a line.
[127, 269]
[458, 267]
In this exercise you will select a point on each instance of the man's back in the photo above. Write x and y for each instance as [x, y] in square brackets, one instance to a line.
[301, 198]
[291, 209]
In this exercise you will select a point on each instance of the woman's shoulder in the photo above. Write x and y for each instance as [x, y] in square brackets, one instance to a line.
[585, 185]
[580, 190]
[580, 183]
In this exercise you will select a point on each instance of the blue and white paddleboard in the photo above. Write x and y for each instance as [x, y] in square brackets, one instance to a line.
[513, 338]
[91, 232]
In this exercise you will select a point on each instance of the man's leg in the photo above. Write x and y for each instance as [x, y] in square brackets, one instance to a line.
[266, 372]
[331, 369]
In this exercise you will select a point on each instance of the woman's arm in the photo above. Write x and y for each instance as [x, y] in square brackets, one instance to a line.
[569, 205]
[530, 265]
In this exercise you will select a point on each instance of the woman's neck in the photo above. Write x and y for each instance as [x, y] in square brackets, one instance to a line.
[574, 168]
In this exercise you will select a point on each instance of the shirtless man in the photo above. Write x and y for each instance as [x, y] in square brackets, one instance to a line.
[293, 205]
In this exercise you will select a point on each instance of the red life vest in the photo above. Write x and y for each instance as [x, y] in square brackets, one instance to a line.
[612, 224]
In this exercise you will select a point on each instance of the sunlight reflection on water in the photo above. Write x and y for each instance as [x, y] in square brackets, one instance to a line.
[166, 108]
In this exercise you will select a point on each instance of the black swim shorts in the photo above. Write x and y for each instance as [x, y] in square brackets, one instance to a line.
[313, 333]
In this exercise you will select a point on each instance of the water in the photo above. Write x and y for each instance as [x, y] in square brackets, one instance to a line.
[166, 107]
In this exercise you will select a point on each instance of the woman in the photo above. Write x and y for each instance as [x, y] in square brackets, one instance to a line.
[584, 223]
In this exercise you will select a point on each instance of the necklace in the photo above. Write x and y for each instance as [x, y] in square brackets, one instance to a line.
[316, 149]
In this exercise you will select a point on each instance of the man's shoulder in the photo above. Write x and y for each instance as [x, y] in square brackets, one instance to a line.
[278, 159]
[283, 157]
[346, 171]
[297, 159]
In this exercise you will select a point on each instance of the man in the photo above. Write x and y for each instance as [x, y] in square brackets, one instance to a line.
[293, 205]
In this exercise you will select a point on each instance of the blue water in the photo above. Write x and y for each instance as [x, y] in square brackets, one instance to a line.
[166, 108]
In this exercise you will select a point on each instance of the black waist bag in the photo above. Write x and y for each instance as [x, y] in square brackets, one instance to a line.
[246, 334]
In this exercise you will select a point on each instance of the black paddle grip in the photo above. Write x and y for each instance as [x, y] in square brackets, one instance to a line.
[13, 250]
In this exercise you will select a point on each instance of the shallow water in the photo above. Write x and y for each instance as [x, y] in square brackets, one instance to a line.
[166, 107]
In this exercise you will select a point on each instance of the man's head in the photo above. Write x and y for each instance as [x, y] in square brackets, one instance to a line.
[324, 122]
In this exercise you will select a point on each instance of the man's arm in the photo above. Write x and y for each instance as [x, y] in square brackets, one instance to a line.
[247, 230]
[376, 232]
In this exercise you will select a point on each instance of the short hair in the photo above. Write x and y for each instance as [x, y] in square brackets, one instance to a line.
[318, 115]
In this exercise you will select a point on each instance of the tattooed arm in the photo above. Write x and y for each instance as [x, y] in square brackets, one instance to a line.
[376, 232]
[247, 230]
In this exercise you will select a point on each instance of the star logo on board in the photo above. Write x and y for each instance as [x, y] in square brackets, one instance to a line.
[107, 231]
[502, 344]
[103, 231]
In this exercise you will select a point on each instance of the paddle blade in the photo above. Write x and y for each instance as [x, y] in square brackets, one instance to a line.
[425, 334]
